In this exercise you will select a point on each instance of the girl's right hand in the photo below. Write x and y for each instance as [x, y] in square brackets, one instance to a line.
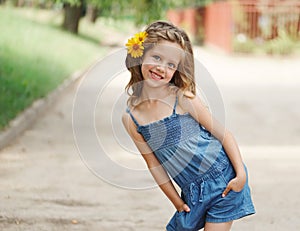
[185, 208]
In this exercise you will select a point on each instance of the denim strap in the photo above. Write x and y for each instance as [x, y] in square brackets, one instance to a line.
[132, 117]
[175, 104]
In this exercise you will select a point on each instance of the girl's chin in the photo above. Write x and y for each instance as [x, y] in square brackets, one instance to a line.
[156, 83]
[154, 78]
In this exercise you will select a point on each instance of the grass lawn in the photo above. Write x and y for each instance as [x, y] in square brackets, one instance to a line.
[36, 56]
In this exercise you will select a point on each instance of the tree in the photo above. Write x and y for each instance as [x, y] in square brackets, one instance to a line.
[72, 15]
[75, 9]
[142, 11]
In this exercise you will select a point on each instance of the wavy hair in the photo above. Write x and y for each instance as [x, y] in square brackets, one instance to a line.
[183, 77]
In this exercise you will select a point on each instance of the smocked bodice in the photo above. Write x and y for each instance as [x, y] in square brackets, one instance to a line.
[182, 145]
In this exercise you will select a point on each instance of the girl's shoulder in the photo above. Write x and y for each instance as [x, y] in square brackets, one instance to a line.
[189, 102]
[185, 96]
[188, 94]
[129, 122]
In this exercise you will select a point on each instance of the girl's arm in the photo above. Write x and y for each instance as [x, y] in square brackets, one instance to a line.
[154, 166]
[199, 111]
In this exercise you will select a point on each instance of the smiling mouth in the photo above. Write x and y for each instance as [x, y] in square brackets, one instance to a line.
[155, 76]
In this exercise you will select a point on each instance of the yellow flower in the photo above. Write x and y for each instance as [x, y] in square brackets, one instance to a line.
[141, 36]
[135, 45]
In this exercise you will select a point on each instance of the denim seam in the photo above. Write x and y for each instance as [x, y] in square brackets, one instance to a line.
[246, 212]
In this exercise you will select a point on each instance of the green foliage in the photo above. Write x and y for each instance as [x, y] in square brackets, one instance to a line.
[243, 45]
[282, 45]
[146, 11]
[35, 59]
[190, 3]
[71, 2]
[140, 11]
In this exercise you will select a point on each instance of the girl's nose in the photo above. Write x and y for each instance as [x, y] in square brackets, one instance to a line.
[160, 68]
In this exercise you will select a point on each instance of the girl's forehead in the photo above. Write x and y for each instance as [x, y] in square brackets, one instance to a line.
[172, 49]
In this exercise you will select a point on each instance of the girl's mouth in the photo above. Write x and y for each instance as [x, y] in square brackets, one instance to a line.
[155, 76]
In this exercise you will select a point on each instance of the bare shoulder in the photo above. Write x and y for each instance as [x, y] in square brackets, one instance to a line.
[191, 103]
[185, 99]
[127, 121]
[189, 94]
[125, 118]
[130, 127]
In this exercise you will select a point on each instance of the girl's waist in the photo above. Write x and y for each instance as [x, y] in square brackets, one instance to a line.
[213, 172]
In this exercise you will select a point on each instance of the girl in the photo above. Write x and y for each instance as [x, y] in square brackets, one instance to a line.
[178, 137]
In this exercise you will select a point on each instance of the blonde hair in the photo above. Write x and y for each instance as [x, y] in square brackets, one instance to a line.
[183, 77]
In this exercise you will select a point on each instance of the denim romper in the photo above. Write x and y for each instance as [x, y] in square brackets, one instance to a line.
[198, 164]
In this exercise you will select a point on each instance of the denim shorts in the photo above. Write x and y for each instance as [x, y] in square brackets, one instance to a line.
[204, 197]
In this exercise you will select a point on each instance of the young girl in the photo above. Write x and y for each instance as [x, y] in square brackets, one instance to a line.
[178, 137]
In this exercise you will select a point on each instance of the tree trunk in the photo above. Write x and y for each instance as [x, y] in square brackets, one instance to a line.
[92, 13]
[72, 17]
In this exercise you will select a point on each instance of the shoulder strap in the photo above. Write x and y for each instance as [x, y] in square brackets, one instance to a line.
[175, 104]
[132, 117]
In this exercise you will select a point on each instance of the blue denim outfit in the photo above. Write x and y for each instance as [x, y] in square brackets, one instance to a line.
[197, 162]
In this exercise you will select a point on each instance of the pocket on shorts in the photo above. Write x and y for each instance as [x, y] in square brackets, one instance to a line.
[185, 221]
[228, 173]
[180, 213]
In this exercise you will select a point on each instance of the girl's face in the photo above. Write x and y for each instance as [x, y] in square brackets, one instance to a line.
[161, 62]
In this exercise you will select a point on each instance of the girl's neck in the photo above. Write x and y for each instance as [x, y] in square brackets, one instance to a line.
[154, 94]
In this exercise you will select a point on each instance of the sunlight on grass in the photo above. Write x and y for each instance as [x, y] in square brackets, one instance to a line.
[35, 58]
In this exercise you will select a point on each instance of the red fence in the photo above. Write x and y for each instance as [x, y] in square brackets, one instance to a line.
[191, 19]
[222, 21]
[218, 25]
[265, 18]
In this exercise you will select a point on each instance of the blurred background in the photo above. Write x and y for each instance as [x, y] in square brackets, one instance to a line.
[35, 41]
[250, 47]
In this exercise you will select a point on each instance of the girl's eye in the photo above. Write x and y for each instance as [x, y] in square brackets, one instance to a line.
[172, 65]
[156, 57]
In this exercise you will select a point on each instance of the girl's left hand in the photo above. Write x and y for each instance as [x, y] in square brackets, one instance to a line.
[236, 184]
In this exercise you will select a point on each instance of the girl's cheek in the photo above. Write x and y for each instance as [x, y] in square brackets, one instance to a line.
[146, 65]
[150, 66]
[171, 73]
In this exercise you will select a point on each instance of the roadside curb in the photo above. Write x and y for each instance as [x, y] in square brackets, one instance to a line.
[27, 118]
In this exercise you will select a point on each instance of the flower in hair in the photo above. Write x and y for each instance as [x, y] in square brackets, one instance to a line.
[135, 44]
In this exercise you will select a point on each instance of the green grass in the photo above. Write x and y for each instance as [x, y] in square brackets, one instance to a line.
[35, 57]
